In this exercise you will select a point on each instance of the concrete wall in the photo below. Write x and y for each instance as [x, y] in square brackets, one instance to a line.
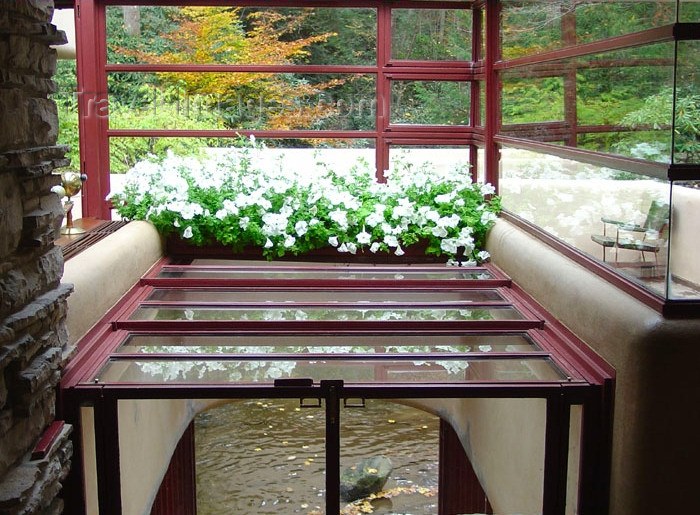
[103, 273]
[656, 417]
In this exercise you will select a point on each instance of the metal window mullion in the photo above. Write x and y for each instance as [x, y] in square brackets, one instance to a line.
[107, 453]
[556, 454]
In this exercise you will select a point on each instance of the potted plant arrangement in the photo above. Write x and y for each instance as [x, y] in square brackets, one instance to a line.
[239, 201]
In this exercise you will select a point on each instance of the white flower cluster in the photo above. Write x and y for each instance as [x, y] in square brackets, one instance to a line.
[242, 200]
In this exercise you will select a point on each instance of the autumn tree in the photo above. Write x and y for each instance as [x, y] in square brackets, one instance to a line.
[244, 99]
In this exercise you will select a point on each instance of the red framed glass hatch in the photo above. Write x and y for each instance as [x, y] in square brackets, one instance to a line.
[444, 339]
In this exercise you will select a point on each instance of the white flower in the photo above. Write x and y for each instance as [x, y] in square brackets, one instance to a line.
[289, 240]
[445, 198]
[433, 216]
[268, 243]
[374, 247]
[340, 217]
[399, 251]
[439, 231]
[352, 248]
[487, 189]
[449, 245]
[343, 247]
[449, 221]
[363, 238]
[176, 223]
[391, 240]
[190, 210]
[333, 241]
[187, 233]
[243, 222]
[221, 214]
[487, 217]
[275, 224]
[301, 227]
[483, 255]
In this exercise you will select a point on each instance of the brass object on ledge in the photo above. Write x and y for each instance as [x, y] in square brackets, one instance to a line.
[71, 184]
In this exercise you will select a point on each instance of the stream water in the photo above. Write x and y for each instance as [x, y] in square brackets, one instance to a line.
[268, 457]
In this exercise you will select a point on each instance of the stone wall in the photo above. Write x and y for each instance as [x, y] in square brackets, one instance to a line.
[33, 336]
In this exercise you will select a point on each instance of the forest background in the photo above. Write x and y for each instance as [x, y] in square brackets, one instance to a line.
[630, 97]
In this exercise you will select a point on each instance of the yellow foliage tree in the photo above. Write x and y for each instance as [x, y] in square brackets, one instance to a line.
[211, 35]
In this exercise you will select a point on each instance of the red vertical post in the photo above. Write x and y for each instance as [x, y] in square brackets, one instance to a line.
[93, 110]
[493, 90]
[475, 89]
[383, 88]
[568, 30]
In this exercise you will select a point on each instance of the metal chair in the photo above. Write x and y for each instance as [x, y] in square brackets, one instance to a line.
[654, 232]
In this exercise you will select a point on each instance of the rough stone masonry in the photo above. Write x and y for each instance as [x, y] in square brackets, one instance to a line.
[33, 336]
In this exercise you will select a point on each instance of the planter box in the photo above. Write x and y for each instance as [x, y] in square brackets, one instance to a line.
[414, 254]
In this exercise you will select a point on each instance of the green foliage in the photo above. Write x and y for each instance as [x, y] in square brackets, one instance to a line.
[657, 110]
[241, 200]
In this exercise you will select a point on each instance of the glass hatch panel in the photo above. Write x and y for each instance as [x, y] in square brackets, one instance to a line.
[360, 370]
[322, 296]
[323, 344]
[302, 312]
[333, 273]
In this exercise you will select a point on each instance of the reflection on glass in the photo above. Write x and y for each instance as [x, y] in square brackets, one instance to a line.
[629, 91]
[573, 201]
[323, 296]
[415, 102]
[431, 34]
[326, 344]
[441, 160]
[294, 155]
[304, 312]
[532, 100]
[684, 277]
[342, 273]
[348, 370]
[534, 27]
[600, 20]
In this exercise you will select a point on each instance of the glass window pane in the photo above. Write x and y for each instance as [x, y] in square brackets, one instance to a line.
[624, 99]
[241, 100]
[326, 295]
[415, 102]
[579, 203]
[689, 11]
[437, 159]
[262, 456]
[223, 35]
[304, 312]
[340, 273]
[531, 27]
[431, 34]
[395, 439]
[684, 282]
[298, 155]
[538, 26]
[687, 113]
[349, 370]
[532, 100]
[329, 343]
[597, 20]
